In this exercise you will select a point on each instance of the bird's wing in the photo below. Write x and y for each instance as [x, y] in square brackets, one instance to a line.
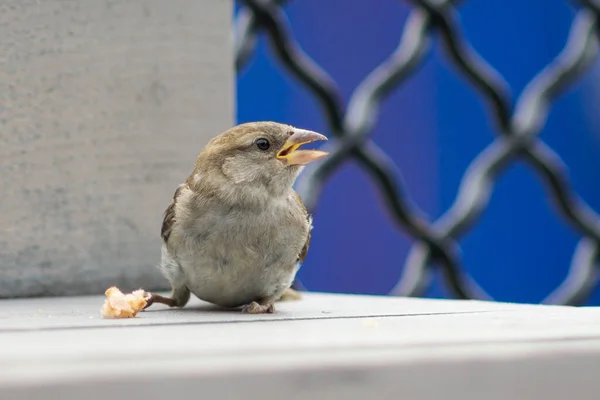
[169, 216]
[304, 251]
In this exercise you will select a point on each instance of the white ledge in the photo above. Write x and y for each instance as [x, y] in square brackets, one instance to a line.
[325, 346]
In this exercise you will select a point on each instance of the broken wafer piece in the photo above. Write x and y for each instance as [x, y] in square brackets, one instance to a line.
[119, 305]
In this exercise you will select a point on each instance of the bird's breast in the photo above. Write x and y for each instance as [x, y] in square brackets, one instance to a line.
[233, 256]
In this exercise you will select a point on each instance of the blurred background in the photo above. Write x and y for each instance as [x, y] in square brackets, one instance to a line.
[433, 126]
[106, 103]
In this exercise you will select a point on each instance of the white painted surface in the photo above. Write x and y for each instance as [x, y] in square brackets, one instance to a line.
[325, 346]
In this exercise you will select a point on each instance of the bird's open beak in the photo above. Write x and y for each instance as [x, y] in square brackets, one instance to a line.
[290, 153]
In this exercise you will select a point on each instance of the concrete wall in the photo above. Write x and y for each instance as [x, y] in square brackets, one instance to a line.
[103, 107]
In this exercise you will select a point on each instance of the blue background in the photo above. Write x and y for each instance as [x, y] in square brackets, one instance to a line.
[433, 126]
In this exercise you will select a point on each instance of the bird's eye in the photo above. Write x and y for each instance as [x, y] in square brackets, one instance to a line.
[262, 144]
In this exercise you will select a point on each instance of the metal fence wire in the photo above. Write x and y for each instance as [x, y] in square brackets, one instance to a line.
[435, 243]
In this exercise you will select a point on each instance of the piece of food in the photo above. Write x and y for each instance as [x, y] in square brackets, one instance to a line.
[119, 305]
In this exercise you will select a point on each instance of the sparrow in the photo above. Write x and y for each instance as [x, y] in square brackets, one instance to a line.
[236, 233]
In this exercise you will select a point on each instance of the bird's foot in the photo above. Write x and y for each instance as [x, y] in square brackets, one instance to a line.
[256, 308]
[156, 298]
[290, 295]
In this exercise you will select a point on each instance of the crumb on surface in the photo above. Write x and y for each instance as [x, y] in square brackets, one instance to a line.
[120, 305]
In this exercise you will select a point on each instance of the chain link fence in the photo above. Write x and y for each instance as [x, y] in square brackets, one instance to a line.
[518, 126]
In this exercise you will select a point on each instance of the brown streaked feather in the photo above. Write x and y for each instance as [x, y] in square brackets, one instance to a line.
[304, 251]
[169, 216]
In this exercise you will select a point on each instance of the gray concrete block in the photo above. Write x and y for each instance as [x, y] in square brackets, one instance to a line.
[105, 105]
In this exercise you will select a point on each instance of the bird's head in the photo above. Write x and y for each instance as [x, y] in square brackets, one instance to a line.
[262, 154]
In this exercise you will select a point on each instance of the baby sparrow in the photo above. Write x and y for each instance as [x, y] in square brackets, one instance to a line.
[236, 233]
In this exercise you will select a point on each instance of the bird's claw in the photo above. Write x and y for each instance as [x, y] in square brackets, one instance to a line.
[149, 302]
[149, 297]
[255, 308]
[152, 298]
[290, 295]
